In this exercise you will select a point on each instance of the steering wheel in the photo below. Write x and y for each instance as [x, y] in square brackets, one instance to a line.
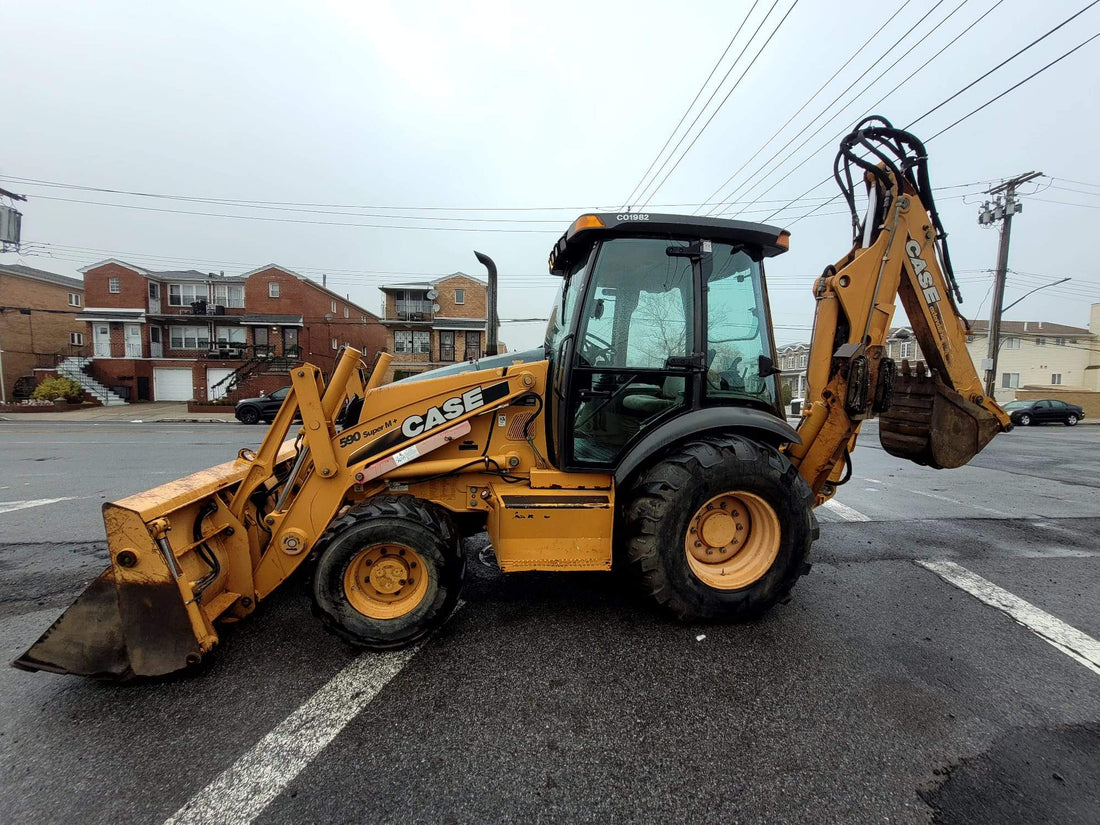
[603, 354]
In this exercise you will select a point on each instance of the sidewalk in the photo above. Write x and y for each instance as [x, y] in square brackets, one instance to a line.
[160, 412]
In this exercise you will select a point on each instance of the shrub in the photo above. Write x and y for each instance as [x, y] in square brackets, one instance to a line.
[59, 387]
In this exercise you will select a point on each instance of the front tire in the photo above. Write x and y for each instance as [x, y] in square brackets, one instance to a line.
[1071, 420]
[1025, 420]
[389, 573]
[248, 415]
[720, 528]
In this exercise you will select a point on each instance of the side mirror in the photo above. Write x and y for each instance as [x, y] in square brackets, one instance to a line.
[262, 393]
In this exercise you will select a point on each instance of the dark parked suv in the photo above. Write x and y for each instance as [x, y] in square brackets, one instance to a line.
[255, 410]
[1046, 411]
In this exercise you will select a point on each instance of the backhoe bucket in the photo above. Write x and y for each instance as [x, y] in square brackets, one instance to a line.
[141, 616]
[931, 424]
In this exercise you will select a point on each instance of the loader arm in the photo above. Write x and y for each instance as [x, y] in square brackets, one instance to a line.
[933, 413]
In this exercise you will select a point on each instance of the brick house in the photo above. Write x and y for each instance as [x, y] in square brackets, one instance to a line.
[433, 323]
[189, 335]
[39, 325]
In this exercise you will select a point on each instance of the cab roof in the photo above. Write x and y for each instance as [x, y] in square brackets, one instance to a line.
[573, 246]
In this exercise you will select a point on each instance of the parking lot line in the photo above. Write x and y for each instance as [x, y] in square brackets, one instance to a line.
[844, 511]
[12, 506]
[1077, 645]
[247, 786]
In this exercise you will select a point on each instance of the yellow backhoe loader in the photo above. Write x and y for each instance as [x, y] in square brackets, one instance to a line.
[649, 423]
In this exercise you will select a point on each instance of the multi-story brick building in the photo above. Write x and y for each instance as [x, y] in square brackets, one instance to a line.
[190, 335]
[39, 324]
[432, 323]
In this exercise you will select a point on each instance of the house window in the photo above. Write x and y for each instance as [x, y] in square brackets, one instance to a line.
[473, 345]
[460, 296]
[1059, 342]
[229, 335]
[335, 344]
[183, 295]
[446, 345]
[76, 339]
[422, 342]
[273, 289]
[333, 303]
[114, 285]
[189, 337]
[229, 295]
[402, 340]
[1040, 342]
[1010, 343]
[74, 299]
[347, 312]
[802, 360]
[1010, 380]
[1056, 378]
[906, 349]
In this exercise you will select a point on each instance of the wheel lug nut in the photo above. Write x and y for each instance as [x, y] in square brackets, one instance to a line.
[723, 505]
[412, 564]
[698, 544]
[401, 552]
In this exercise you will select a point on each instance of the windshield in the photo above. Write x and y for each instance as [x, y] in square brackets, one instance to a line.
[737, 335]
[1016, 405]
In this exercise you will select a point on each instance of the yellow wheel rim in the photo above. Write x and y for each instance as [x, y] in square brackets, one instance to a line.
[385, 581]
[732, 540]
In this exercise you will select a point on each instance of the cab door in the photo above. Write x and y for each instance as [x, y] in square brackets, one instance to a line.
[633, 359]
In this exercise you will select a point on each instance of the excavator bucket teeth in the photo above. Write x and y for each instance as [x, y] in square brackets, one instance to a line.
[931, 424]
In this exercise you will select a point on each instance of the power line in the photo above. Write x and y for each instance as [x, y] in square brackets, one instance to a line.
[764, 168]
[1016, 86]
[694, 100]
[810, 100]
[1005, 62]
[727, 97]
[939, 105]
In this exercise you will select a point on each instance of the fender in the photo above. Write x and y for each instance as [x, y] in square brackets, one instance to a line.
[765, 426]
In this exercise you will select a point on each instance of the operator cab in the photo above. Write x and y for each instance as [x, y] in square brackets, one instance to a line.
[658, 317]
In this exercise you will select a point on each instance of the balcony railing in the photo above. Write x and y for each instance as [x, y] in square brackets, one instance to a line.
[412, 310]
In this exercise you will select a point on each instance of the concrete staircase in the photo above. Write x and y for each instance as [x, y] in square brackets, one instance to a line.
[74, 368]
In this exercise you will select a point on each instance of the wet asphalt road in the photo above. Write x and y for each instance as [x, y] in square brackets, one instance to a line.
[879, 693]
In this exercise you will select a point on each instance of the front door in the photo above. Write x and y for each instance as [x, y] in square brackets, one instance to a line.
[156, 346]
[133, 340]
[101, 340]
[290, 342]
[630, 360]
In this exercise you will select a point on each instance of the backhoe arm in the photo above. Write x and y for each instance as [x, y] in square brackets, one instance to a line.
[934, 414]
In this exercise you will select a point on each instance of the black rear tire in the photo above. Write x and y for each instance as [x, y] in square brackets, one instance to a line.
[403, 520]
[666, 496]
[249, 415]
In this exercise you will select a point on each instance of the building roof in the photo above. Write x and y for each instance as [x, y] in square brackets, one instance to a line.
[361, 310]
[1038, 328]
[41, 275]
[429, 284]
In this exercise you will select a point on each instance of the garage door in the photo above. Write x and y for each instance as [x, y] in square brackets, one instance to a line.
[216, 385]
[172, 384]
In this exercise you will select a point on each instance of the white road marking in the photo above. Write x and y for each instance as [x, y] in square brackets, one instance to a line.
[1077, 645]
[844, 511]
[962, 503]
[12, 506]
[247, 786]
[873, 480]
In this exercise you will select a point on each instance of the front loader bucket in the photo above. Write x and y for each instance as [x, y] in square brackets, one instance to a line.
[142, 615]
[91, 639]
[931, 424]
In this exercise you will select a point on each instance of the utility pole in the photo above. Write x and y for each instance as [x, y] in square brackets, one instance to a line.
[491, 317]
[1002, 208]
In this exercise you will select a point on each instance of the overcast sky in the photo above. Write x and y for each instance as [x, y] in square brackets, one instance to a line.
[538, 111]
